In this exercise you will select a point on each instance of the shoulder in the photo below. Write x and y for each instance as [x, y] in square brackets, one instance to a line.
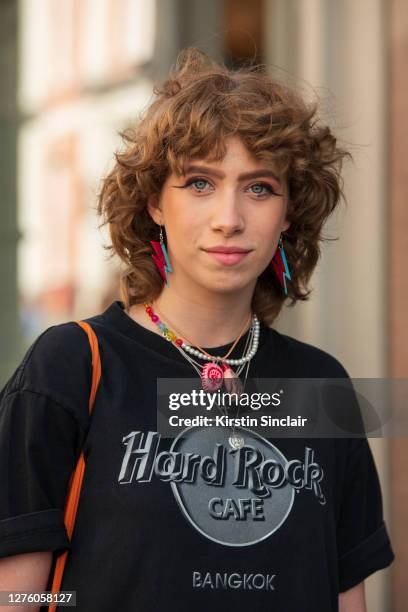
[58, 365]
[304, 359]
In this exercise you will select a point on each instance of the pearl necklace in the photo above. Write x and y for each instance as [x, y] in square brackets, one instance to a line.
[179, 342]
[248, 357]
[217, 369]
[213, 375]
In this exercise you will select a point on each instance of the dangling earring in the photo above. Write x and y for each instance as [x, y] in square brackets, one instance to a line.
[280, 265]
[160, 257]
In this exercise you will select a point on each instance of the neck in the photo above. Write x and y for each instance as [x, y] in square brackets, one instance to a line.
[214, 321]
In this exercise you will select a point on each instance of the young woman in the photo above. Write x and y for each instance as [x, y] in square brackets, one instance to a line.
[216, 206]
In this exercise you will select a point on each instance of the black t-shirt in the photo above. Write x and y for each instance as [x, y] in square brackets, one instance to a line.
[144, 541]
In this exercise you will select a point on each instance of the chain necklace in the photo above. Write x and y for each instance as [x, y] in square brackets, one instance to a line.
[212, 374]
[189, 346]
[217, 369]
[235, 440]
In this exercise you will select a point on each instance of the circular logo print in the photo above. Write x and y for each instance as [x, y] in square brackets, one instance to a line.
[234, 496]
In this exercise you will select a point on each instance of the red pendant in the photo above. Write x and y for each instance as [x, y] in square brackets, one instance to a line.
[212, 376]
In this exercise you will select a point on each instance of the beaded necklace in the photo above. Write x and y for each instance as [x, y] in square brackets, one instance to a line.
[217, 370]
[212, 374]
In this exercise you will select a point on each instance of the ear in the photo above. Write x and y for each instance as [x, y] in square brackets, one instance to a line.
[286, 226]
[153, 208]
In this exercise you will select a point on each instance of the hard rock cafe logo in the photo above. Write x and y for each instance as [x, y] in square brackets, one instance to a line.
[236, 497]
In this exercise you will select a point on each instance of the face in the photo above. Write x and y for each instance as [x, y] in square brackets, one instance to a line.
[238, 202]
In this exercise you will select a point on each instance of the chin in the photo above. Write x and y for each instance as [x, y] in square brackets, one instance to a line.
[227, 285]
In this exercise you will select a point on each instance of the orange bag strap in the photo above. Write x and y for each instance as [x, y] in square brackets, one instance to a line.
[72, 500]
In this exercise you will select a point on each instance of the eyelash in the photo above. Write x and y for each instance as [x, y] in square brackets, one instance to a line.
[195, 179]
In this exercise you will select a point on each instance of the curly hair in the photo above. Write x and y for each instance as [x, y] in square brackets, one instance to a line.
[201, 104]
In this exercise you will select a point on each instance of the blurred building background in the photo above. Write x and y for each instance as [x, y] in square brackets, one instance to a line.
[75, 72]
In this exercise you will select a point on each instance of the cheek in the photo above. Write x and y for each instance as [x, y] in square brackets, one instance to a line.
[185, 234]
[187, 225]
[267, 238]
[267, 229]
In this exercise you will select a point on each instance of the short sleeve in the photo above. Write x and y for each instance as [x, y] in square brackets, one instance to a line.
[363, 543]
[43, 422]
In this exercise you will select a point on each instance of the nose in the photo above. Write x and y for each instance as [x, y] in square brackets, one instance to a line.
[227, 215]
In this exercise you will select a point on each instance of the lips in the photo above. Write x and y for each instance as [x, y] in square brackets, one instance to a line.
[228, 257]
[225, 249]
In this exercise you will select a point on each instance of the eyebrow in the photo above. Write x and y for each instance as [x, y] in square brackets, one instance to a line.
[242, 177]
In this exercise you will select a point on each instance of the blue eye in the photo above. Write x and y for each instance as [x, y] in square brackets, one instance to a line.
[201, 182]
[196, 180]
[263, 186]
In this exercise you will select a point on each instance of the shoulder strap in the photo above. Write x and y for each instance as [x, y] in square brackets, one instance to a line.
[96, 361]
[72, 500]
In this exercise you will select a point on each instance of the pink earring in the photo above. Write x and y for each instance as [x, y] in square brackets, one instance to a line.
[280, 265]
[161, 258]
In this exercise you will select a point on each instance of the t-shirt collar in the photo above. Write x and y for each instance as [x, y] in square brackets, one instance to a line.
[116, 317]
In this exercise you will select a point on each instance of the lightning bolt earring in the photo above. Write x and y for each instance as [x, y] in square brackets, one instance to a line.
[280, 265]
[160, 257]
